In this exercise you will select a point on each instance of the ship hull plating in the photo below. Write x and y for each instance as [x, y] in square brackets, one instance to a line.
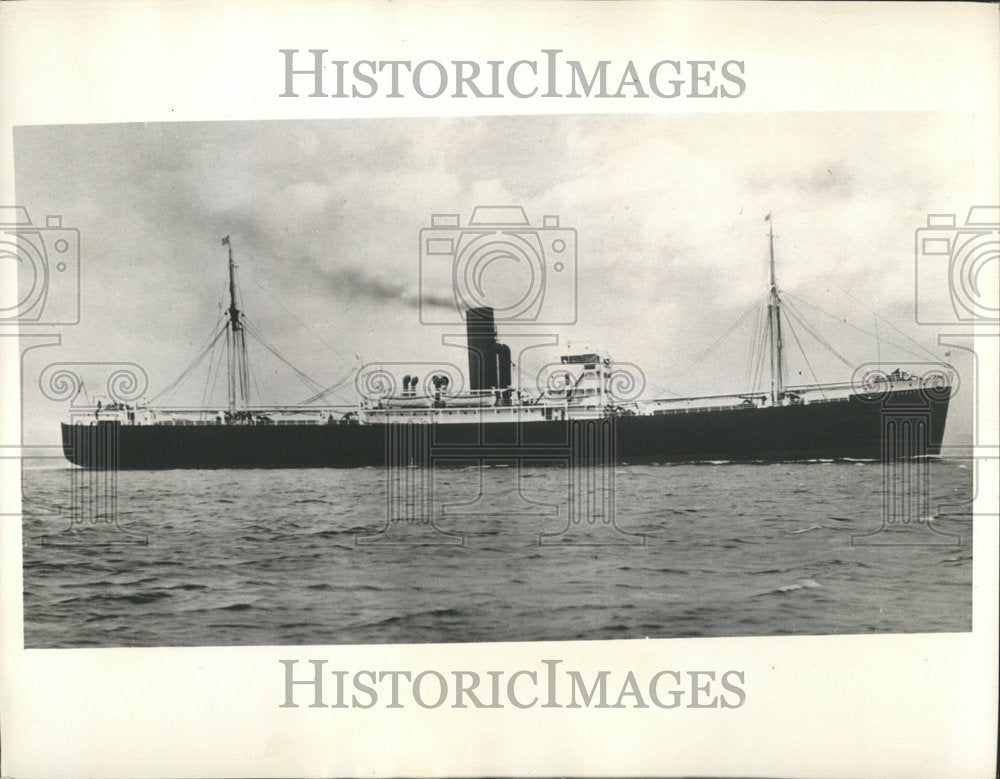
[895, 425]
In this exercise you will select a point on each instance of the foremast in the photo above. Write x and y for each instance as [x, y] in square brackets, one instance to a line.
[774, 327]
[236, 345]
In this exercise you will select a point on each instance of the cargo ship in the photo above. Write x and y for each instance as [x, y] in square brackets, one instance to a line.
[584, 416]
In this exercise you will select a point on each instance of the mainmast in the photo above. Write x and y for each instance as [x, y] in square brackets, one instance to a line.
[239, 377]
[774, 328]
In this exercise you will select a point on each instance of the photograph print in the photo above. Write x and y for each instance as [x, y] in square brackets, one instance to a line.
[524, 378]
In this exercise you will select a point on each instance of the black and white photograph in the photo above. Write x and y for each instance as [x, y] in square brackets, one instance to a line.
[498, 389]
[501, 379]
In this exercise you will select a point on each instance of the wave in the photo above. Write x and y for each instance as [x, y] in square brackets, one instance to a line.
[404, 618]
[801, 584]
[811, 528]
[144, 597]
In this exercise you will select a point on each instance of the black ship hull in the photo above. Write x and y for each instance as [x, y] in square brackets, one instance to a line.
[891, 425]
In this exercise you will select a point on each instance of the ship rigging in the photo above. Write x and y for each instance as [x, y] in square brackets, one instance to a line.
[239, 369]
[586, 387]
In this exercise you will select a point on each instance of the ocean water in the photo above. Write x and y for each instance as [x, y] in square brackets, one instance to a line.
[194, 558]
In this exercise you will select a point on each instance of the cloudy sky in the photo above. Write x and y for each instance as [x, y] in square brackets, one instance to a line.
[325, 218]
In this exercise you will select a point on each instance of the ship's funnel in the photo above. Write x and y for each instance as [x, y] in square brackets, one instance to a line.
[481, 341]
[489, 361]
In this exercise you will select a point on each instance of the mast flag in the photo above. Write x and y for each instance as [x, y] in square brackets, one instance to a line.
[766, 219]
[225, 241]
